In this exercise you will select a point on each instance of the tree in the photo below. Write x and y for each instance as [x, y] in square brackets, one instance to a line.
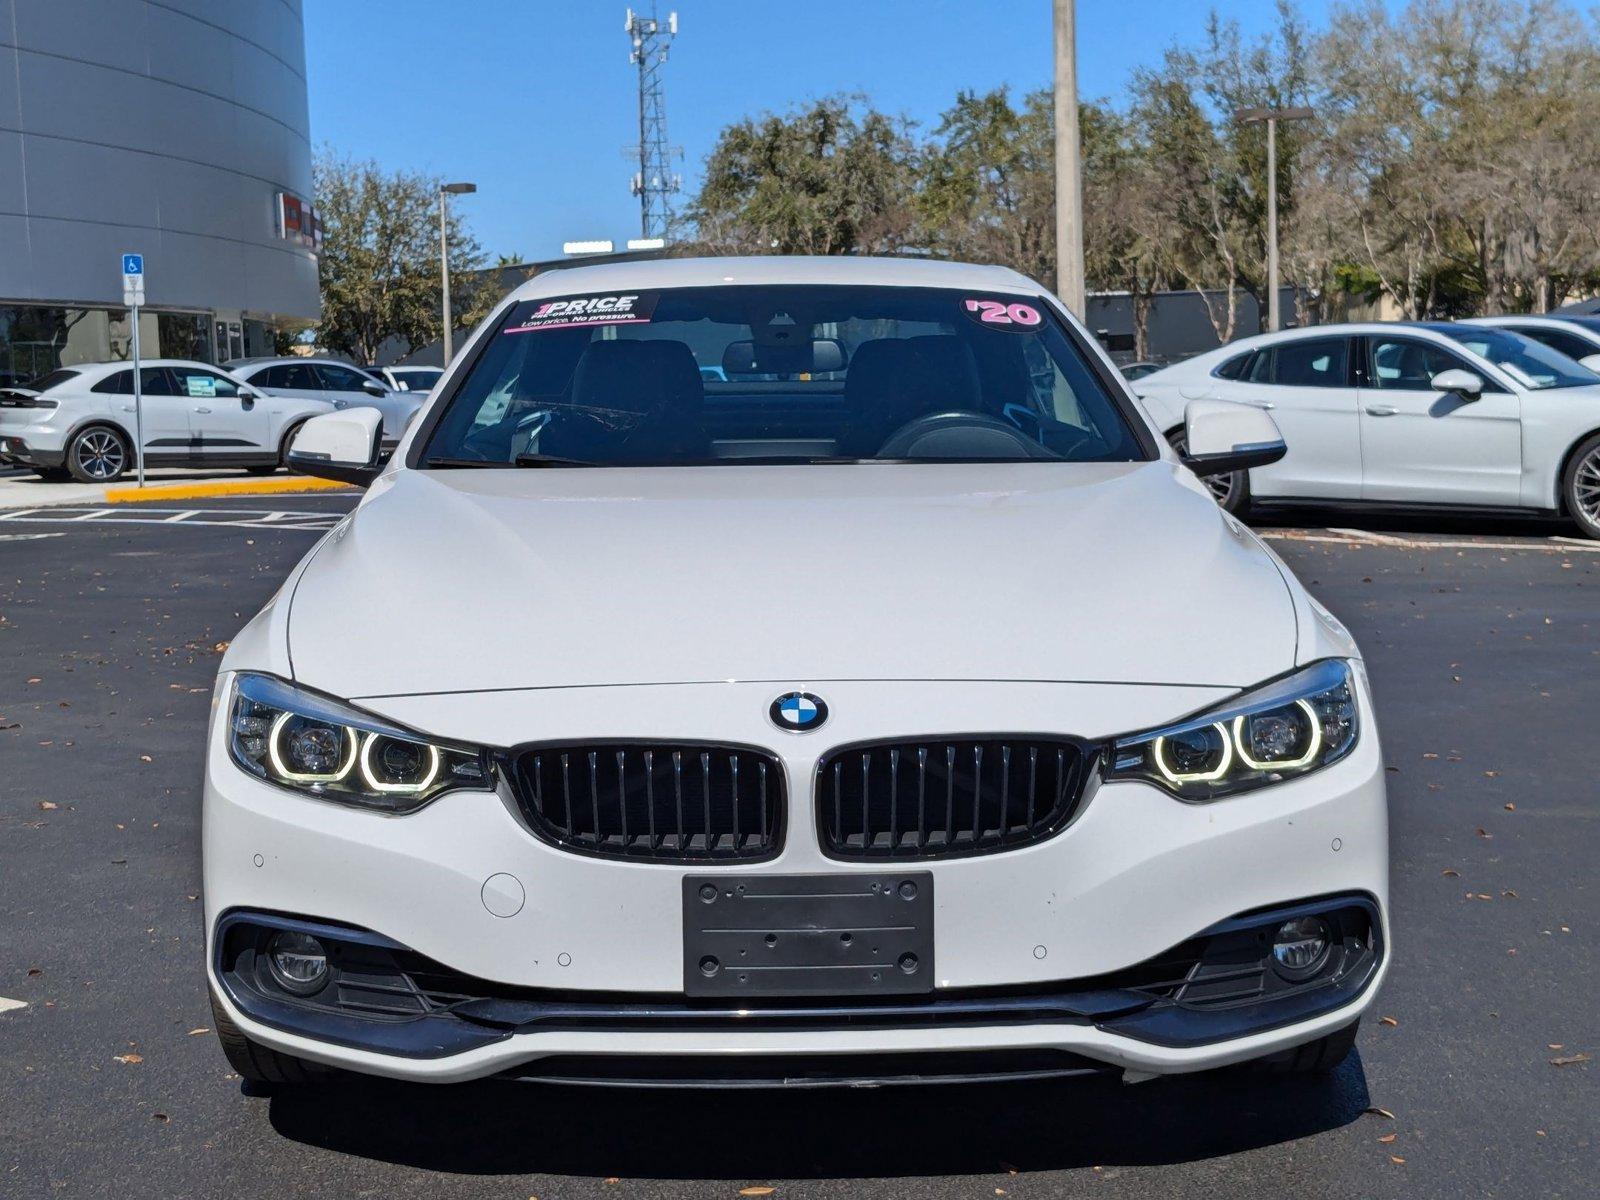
[379, 263]
[987, 189]
[824, 179]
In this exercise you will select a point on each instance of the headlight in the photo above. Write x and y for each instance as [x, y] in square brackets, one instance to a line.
[309, 743]
[1289, 727]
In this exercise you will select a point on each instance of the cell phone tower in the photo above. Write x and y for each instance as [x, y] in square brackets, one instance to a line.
[655, 181]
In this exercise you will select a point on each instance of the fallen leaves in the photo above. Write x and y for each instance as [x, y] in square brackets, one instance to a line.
[1375, 1111]
[198, 1032]
[1389, 1021]
[1388, 1137]
[756, 1191]
[130, 1059]
[1483, 833]
[1396, 1159]
[1569, 1060]
[1450, 873]
[48, 805]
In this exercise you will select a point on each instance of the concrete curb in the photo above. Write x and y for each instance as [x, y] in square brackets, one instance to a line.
[210, 489]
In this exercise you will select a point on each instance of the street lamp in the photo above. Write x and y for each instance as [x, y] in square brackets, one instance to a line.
[1254, 116]
[448, 189]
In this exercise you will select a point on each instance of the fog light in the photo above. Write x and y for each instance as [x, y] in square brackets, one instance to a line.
[298, 962]
[1300, 947]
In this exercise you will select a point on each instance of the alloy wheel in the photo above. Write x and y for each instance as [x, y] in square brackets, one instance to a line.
[100, 454]
[1586, 487]
[1220, 486]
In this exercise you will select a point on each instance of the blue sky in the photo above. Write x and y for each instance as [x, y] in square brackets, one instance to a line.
[534, 100]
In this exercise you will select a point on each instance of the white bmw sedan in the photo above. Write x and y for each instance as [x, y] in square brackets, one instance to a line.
[1405, 415]
[892, 706]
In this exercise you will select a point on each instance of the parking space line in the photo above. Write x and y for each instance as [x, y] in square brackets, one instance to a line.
[28, 537]
[231, 518]
[11, 1005]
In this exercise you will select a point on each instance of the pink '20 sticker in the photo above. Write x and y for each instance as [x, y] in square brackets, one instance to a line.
[1004, 314]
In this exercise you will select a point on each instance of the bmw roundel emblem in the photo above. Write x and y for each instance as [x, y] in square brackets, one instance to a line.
[800, 712]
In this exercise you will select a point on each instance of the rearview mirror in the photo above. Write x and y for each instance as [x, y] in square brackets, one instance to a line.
[343, 446]
[1458, 382]
[1223, 436]
[815, 357]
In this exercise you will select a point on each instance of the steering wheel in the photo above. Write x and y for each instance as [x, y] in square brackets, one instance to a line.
[967, 434]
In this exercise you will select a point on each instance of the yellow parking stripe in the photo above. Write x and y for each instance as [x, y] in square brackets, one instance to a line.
[203, 489]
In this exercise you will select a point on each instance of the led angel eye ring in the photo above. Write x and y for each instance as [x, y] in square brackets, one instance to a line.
[1305, 760]
[1172, 776]
[371, 778]
[296, 777]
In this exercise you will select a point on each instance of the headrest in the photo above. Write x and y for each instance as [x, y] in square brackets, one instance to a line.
[637, 377]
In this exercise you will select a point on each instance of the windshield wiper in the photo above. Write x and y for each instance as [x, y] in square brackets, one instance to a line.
[551, 460]
[446, 461]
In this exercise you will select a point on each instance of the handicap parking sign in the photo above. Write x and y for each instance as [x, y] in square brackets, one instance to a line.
[133, 264]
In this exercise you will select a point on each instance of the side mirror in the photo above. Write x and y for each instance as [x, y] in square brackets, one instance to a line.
[1592, 361]
[1458, 382]
[374, 389]
[1223, 436]
[342, 446]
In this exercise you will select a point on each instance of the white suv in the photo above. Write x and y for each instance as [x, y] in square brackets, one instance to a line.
[892, 705]
[79, 421]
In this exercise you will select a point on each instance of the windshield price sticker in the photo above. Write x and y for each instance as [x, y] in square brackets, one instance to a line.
[580, 312]
[200, 385]
[1002, 314]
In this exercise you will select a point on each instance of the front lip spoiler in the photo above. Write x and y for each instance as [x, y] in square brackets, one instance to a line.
[486, 1020]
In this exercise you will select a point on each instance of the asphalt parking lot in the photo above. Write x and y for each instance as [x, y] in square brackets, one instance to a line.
[1482, 1079]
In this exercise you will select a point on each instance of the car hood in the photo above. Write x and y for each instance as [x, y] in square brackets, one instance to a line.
[472, 580]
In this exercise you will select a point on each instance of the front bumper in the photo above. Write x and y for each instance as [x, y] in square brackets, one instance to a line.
[1134, 876]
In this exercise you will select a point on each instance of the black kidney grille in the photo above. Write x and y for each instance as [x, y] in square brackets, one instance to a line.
[680, 802]
[947, 798]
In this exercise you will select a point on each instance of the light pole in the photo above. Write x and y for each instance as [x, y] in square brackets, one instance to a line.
[1253, 116]
[1069, 186]
[448, 189]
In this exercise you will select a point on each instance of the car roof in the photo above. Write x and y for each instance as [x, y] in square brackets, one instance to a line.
[105, 368]
[770, 269]
[236, 363]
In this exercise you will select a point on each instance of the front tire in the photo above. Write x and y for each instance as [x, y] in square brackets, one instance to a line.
[260, 1067]
[1231, 491]
[98, 454]
[1580, 486]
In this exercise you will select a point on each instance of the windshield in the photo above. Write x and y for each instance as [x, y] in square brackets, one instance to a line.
[779, 374]
[1532, 364]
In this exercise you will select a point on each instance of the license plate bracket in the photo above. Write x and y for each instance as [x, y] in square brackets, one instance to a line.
[808, 935]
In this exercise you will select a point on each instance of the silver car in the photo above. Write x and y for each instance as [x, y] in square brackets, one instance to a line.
[341, 384]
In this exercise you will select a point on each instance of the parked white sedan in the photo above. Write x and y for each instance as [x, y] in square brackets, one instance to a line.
[1577, 336]
[891, 705]
[79, 421]
[1424, 414]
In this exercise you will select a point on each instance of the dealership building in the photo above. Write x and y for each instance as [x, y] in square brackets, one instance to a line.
[176, 129]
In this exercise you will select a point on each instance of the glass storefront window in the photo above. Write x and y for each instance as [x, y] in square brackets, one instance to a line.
[37, 339]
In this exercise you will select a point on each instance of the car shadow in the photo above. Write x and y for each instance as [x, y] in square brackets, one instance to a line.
[496, 1128]
[1431, 524]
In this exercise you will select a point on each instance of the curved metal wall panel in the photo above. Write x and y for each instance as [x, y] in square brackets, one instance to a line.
[161, 126]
